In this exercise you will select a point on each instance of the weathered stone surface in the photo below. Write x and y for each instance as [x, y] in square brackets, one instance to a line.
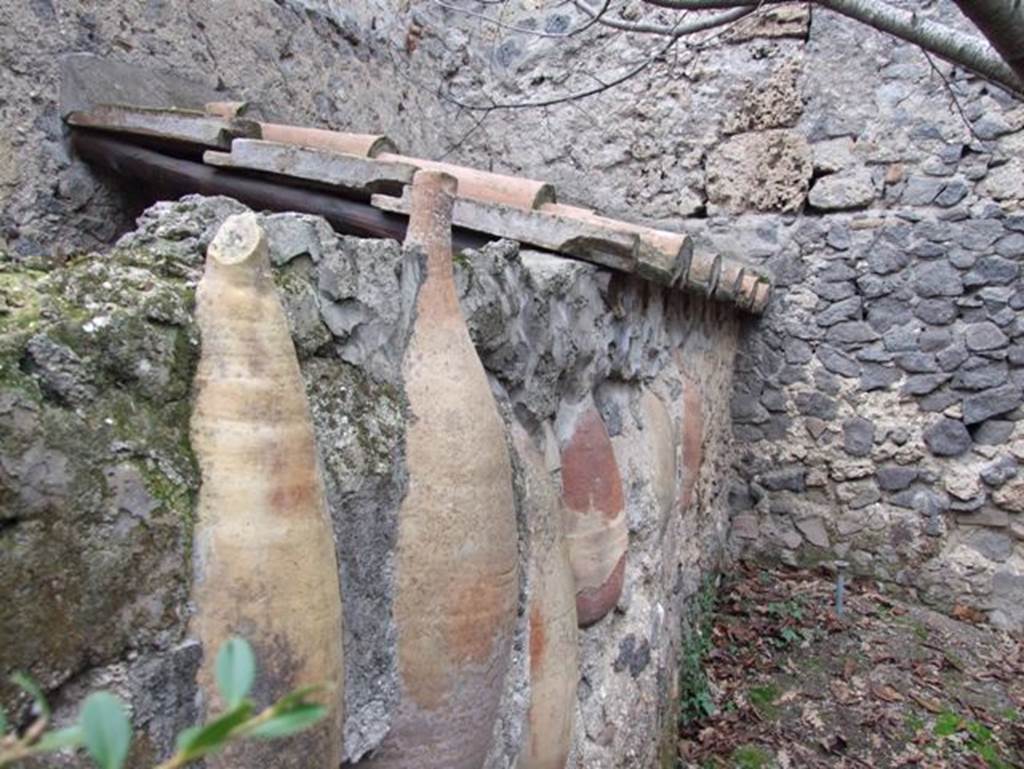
[933, 279]
[1000, 471]
[1011, 496]
[766, 171]
[858, 436]
[993, 432]
[990, 403]
[95, 466]
[895, 477]
[814, 531]
[771, 102]
[843, 191]
[947, 438]
[342, 298]
[921, 190]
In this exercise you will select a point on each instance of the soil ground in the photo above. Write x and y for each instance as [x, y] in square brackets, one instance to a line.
[773, 678]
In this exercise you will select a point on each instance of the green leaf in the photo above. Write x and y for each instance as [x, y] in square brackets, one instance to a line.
[294, 721]
[3, 723]
[236, 669]
[185, 738]
[946, 724]
[198, 741]
[70, 737]
[107, 731]
[32, 689]
[296, 698]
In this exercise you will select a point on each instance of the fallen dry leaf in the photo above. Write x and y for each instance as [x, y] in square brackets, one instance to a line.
[887, 693]
[928, 703]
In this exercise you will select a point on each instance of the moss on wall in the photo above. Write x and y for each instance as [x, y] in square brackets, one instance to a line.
[96, 474]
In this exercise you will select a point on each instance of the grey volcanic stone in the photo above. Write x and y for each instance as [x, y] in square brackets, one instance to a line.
[833, 291]
[874, 353]
[952, 193]
[847, 309]
[878, 377]
[990, 126]
[885, 258]
[992, 271]
[902, 339]
[835, 270]
[979, 234]
[937, 312]
[917, 363]
[921, 190]
[947, 438]
[922, 384]
[998, 472]
[815, 404]
[993, 432]
[984, 336]
[990, 403]
[797, 351]
[895, 477]
[787, 479]
[1012, 245]
[991, 543]
[747, 410]
[858, 436]
[933, 279]
[934, 339]
[838, 362]
[886, 313]
[873, 286]
[952, 357]
[826, 382]
[982, 377]
[940, 400]
[851, 332]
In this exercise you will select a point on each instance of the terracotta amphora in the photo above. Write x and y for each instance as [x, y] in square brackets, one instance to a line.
[456, 562]
[594, 509]
[554, 666]
[265, 564]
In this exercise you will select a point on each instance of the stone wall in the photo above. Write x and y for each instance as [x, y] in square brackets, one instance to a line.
[301, 60]
[877, 401]
[99, 484]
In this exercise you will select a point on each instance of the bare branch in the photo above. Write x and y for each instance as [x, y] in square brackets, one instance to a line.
[595, 17]
[966, 51]
[627, 26]
[952, 94]
[1002, 22]
[697, 25]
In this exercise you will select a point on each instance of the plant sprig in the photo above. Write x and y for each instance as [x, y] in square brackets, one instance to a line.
[104, 729]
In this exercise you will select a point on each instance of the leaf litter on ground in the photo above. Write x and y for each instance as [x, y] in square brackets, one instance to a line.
[889, 684]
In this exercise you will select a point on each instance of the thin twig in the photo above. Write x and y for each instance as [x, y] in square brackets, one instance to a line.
[698, 25]
[462, 139]
[968, 51]
[626, 26]
[952, 94]
[595, 17]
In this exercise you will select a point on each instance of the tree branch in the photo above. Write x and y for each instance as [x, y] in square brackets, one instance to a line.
[595, 18]
[626, 26]
[697, 25]
[1002, 22]
[963, 50]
